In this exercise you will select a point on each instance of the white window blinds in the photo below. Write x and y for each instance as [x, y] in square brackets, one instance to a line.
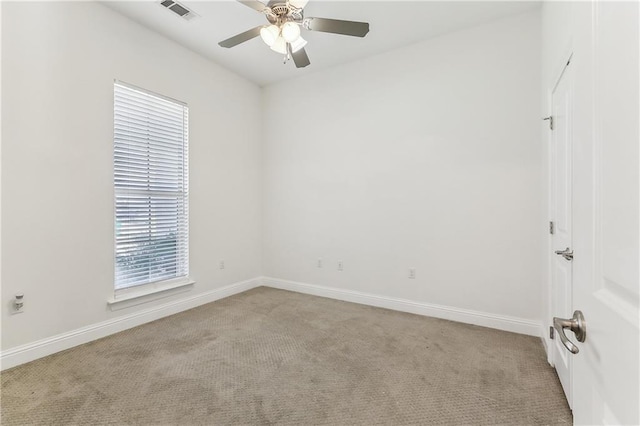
[151, 187]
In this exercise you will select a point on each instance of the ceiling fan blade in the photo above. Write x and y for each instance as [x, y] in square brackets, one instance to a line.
[300, 58]
[336, 26]
[254, 4]
[241, 38]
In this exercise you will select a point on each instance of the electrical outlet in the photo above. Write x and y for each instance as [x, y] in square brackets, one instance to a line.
[18, 304]
[222, 264]
[340, 265]
[412, 273]
[319, 264]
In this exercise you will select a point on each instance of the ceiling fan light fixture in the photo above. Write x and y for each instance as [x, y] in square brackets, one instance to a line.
[280, 46]
[290, 31]
[270, 34]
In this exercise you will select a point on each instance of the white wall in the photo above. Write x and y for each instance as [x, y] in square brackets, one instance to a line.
[429, 157]
[59, 61]
[426, 157]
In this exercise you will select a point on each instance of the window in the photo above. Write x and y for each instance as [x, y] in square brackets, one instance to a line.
[151, 188]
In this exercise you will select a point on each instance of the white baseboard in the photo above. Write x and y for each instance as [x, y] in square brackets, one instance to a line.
[500, 322]
[41, 348]
[32, 351]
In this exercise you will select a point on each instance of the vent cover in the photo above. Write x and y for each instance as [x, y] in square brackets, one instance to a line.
[179, 9]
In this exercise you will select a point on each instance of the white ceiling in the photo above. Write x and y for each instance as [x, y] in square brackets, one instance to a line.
[392, 24]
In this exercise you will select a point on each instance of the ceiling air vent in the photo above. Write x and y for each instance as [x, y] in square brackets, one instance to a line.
[179, 9]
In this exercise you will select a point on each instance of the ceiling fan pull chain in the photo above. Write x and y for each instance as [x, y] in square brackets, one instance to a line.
[287, 56]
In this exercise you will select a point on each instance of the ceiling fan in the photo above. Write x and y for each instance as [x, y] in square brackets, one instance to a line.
[283, 32]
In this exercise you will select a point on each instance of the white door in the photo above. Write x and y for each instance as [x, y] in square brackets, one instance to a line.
[606, 210]
[561, 214]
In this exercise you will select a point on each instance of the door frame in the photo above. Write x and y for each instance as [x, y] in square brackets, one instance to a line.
[550, 256]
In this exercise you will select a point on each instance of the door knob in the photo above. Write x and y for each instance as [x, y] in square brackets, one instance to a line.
[566, 253]
[577, 324]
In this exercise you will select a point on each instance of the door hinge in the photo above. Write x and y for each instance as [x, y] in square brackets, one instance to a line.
[551, 333]
[550, 118]
[552, 228]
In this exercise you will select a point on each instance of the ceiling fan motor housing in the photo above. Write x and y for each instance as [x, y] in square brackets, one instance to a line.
[278, 12]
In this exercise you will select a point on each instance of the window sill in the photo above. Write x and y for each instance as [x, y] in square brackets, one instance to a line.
[149, 294]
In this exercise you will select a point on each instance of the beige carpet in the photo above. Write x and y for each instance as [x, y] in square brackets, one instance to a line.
[275, 357]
